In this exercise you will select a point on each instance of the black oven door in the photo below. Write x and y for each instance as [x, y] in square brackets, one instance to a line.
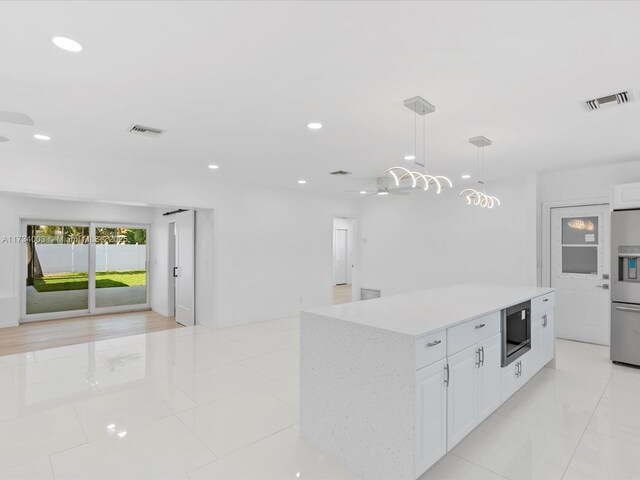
[516, 332]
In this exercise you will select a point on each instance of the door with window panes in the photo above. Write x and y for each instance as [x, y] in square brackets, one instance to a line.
[580, 272]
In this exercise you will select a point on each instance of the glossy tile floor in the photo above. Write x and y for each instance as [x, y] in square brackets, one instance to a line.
[203, 404]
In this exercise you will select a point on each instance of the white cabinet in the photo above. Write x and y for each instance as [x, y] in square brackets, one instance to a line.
[462, 402]
[431, 348]
[536, 352]
[470, 333]
[547, 337]
[474, 387]
[431, 415]
[517, 374]
[626, 195]
[489, 376]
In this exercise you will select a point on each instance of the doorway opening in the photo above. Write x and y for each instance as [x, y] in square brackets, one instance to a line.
[181, 245]
[343, 260]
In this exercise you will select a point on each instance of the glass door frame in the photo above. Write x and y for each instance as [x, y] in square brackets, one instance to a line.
[92, 275]
[92, 309]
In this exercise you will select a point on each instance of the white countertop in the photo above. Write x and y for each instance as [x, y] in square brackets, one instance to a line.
[427, 311]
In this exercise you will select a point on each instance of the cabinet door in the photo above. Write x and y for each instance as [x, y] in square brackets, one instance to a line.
[537, 342]
[548, 338]
[462, 395]
[431, 416]
[509, 380]
[489, 377]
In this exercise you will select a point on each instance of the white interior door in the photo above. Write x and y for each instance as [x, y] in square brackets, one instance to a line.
[580, 239]
[340, 256]
[184, 271]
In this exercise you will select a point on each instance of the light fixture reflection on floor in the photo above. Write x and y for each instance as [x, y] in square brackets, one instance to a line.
[479, 197]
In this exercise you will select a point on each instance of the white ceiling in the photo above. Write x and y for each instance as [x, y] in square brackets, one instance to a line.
[236, 83]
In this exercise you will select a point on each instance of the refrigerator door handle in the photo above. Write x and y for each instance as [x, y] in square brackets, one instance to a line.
[627, 309]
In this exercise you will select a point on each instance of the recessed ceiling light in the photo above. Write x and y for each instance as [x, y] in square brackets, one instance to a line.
[465, 176]
[122, 434]
[302, 182]
[383, 193]
[214, 167]
[363, 192]
[39, 136]
[67, 44]
[410, 157]
[314, 125]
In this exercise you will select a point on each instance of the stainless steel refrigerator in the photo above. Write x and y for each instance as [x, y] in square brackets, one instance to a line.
[625, 286]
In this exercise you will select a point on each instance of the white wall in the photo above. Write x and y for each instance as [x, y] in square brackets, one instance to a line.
[274, 253]
[586, 183]
[14, 207]
[422, 241]
[579, 185]
[271, 252]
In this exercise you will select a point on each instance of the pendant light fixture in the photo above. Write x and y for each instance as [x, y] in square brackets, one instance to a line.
[403, 177]
[479, 197]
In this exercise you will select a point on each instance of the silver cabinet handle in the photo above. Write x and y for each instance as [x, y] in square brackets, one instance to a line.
[478, 363]
[628, 309]
[545, 299]
[605, 286]
[446, 374]
[544, 320]
[481, 325]
[482, 352]
[433, 344]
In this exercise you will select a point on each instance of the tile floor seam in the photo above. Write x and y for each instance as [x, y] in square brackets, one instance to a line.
[295, 345]
[53, 473]
[75, 412]
[223, 397]
[206, 447]
[209, 402]
[235, 451]
[585, 429]
[255, 441]
[475, 464]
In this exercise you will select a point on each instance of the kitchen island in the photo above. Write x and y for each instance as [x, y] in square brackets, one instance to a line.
[389, 385]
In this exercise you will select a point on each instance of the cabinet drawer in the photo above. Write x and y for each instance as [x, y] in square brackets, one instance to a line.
[471, 332]
[542, 303]
[431, 348]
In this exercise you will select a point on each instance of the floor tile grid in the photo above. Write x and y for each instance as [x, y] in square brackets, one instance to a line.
[260, 329]
[188, 474]
[476, 465]
[585, 429]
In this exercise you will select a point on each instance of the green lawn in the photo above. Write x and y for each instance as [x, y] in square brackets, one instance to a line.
[57, 282]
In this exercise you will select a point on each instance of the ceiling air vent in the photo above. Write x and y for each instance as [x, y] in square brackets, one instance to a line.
[340, 172]
[609, 100]
[146, 131]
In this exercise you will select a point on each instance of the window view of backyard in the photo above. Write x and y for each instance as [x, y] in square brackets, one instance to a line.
[58, 267]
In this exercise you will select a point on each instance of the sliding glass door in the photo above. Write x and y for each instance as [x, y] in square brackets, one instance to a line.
[121, 266]
[71, 268]
[57, 273]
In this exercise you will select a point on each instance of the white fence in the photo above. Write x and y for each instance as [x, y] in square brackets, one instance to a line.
[75, 258]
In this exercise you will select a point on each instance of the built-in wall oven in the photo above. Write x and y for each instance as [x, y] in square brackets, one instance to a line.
[516, 332]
